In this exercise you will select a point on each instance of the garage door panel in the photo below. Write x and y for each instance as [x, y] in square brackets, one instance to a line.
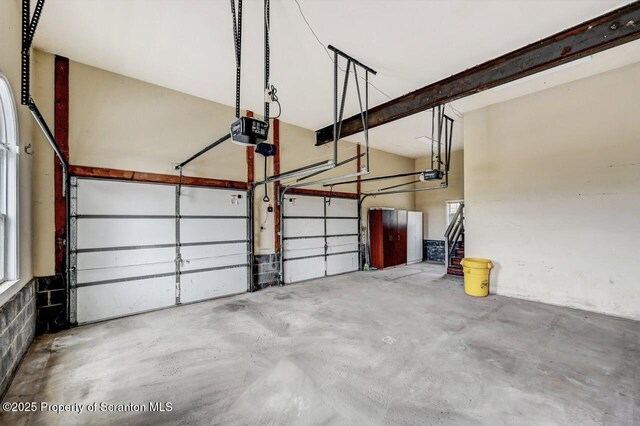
[342, 207]
[226, 221]
[342, 226]
[206, 201]
[342, 244]
[303, 243]
[303, 227]
[105, 301]
[303, 269]
[119, 258]
[125, 246]
[304, 247]
[300, 205]
[214, 262]
[208, 230]
[292, 254]
[108, 233]
[341, 263]
[105, 197]
[207, 285]
[124, 272]
[212, 251]
[338, 227]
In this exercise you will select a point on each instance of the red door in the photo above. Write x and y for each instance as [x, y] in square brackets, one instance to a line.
[390, 220]
[376, 238]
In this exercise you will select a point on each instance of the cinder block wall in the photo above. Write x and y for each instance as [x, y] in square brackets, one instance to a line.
[266, 270]
[17, 328]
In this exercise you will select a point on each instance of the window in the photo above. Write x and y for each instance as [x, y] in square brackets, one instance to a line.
[452, 208]
[8, 183]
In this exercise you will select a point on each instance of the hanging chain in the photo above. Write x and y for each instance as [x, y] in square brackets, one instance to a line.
[237, 37]
[267, 27]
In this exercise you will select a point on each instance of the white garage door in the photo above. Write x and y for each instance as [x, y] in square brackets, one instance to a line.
[137, 247]
[320, 236]
[213, 243]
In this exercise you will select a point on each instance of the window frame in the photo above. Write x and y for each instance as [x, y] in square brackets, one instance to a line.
[9, 147]
[447, 203]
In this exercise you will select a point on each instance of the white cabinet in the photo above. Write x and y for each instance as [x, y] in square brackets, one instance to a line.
[414, 237]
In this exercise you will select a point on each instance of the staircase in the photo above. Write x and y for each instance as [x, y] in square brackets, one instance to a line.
[454, 243]
[454, 268]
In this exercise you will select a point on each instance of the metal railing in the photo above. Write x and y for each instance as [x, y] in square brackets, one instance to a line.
[454, 232]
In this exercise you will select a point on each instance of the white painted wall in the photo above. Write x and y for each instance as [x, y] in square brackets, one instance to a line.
[552, 188]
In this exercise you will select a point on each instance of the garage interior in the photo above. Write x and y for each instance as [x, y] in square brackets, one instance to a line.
[264, 212]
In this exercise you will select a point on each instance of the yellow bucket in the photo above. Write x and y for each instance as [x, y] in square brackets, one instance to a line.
[476, 276]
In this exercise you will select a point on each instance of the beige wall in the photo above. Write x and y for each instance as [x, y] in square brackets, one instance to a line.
[10, 44]
[432, 203]
[552, 188]
[43, 165]
[122, 123]
[298, 149]
[383, 164]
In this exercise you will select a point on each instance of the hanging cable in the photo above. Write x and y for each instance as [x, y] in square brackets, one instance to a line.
[274, 98]
[269, 89]
[327, 50]
[237, 37]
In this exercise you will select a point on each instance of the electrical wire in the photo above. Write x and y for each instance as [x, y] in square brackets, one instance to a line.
[274, 98]
[271, 89]
[327, 50]
[455, 111]
[266, 218]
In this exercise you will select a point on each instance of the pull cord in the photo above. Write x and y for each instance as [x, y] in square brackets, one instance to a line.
[266, 197]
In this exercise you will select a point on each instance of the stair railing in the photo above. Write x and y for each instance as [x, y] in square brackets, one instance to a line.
[454, 232]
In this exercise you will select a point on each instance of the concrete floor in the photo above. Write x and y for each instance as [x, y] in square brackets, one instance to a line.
[403, 346]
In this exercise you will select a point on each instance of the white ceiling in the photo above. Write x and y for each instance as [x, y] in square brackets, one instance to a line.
[187, 45]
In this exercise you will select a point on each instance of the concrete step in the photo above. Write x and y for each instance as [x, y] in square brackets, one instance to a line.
[456, 261]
